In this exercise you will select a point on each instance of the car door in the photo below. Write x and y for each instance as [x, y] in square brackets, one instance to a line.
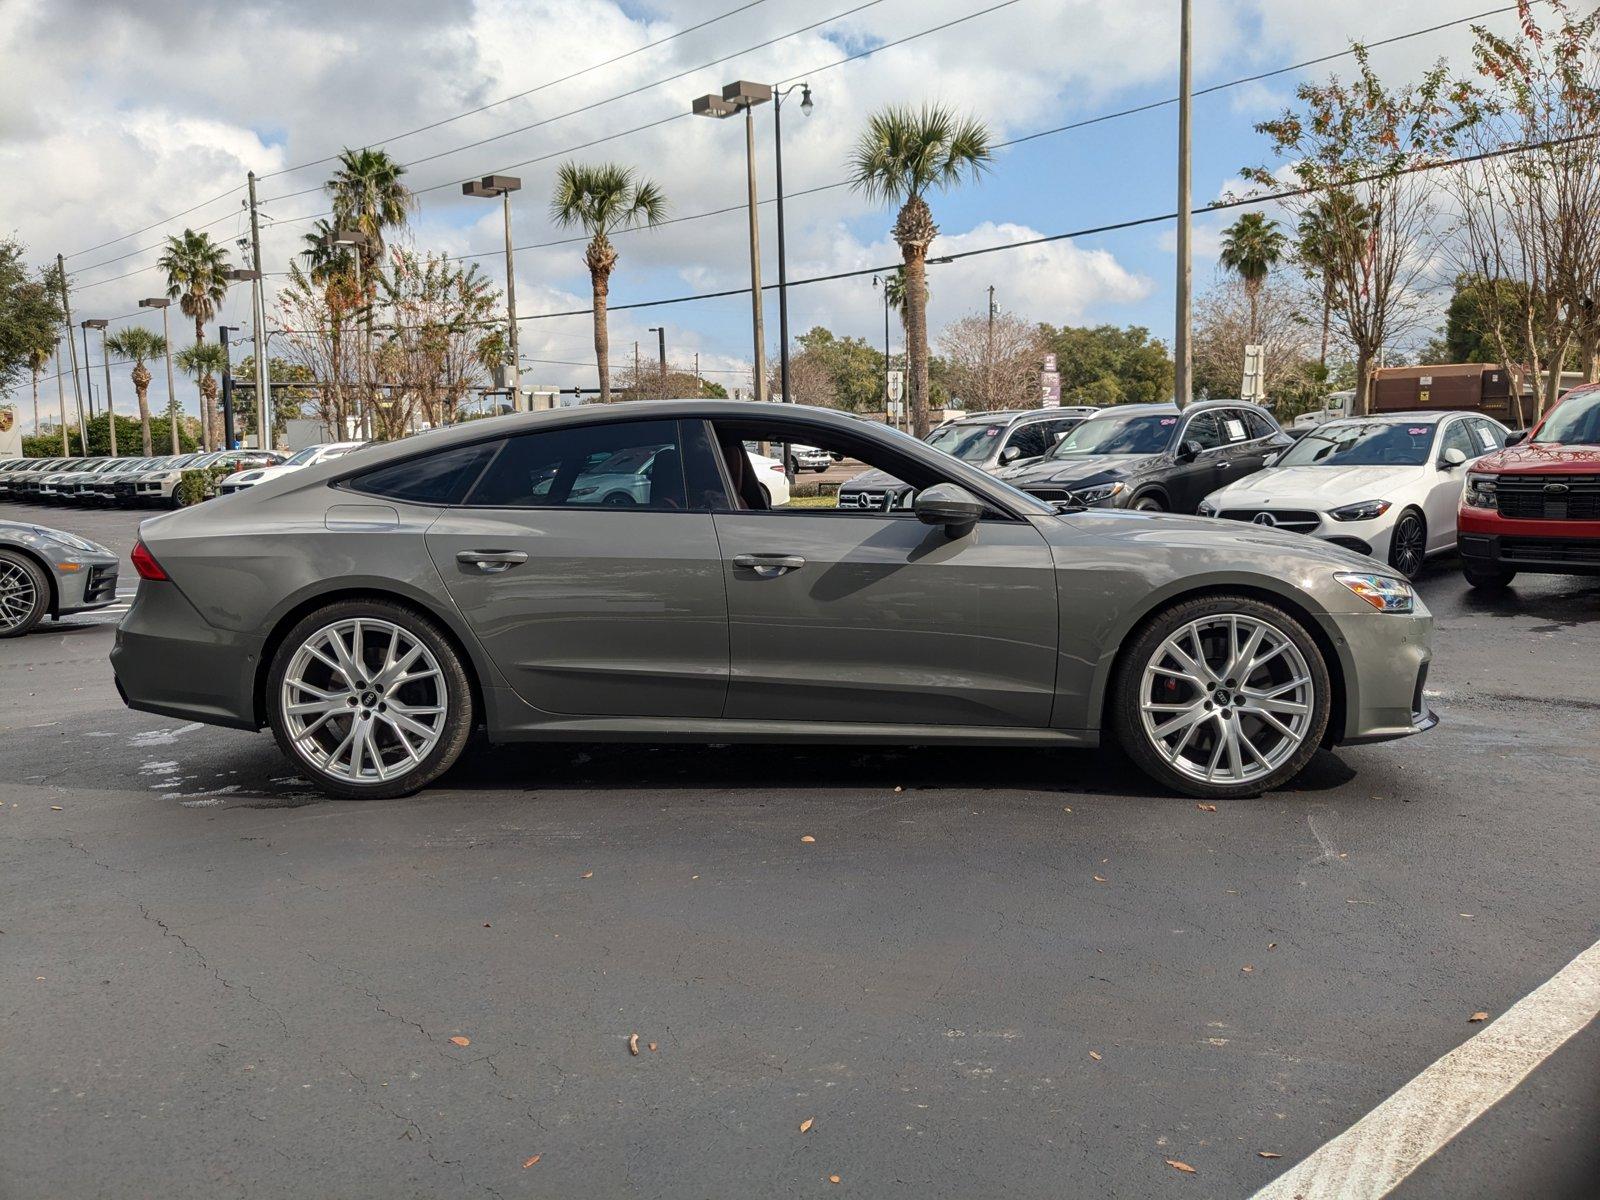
[1190, 482]
[845, 616]
[1445, 483]
[592, 608]
[1026, 441]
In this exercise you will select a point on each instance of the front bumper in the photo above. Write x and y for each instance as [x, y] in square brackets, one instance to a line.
[1386, 687]
[1490, 541]
[84, 582]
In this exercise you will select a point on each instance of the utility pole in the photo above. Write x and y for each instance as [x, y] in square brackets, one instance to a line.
[258, 318]
[636, 375]
[988, 357]
[88, 368]
[697, 374]
[1183, 361]
[61, 395]
[72, 349]
[755, 254]
[111, 413]
[227, 387]
[661, 353]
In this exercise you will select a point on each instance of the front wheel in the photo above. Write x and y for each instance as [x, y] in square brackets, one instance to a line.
[1221, 697]
[1408, 544]
[370, 699]
[1148, 503]
[1488, 579]
[24, 594]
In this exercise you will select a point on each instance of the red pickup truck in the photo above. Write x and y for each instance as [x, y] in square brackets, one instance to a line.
[1535, 506]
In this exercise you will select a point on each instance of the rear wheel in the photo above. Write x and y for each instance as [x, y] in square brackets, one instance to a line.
[24, 594]
[1149, 502]
[370, 699]
[1221, 697]
[1488, 579]
[1408, 544]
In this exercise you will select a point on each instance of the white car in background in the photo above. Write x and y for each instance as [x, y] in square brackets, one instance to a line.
[309, 457]
[1387, 486]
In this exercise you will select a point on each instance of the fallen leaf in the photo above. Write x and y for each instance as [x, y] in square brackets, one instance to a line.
[461, 1041]
[1267, 1154]
[834, 1179]
[1100, 879]
[1477, 1016]
[486, 925]
[808, 839]
[652, 1047]
[806, 1124]
[1204, 807]
[55, 808]
[898, 789]
[1247, 969]
[1095, 1054]
[528, 1162]
[588, 875]
[1180, 1166]
[1272, 945]
[633, 1043]
[1064, 808]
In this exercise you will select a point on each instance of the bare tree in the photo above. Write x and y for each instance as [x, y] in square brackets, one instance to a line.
[1001, 370]
[436, 314]
[1355, 149]
[1531, 219]
[320, 334]
[1288, 334]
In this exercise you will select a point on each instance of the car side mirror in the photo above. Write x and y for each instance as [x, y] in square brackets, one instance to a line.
[1517, 438]
[1010, 455]
[1189, 451]
[950, 505]
[1271, 460]
[1452, 458]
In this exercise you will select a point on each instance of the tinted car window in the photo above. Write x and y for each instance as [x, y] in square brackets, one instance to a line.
[970, 441]
[441, 478]
[1203, 428]
[630, 464]
[1458, 437]
[1234, 427]
[1029, 439]
[1260, 426]
[1362, 444]
[1149, 433]
[1488, 435]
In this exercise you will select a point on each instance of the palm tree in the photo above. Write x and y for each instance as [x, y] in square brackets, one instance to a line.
[367, 195]
[203, 362]
[196, 278]
[1335, 216]
[38, 358]
[901, 156]
[601, 199]
[139, 344]
[1251, 247]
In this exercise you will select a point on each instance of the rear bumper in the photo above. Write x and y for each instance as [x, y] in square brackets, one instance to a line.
[167, 660]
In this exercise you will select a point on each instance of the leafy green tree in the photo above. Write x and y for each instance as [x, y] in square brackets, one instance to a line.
[1251, 247]
[1106, 365]
[288, 400]
[601, 199]
[901, 156]
[203, 362]
[141, 345]
[1478, 308]
[837, 372]
[1324, 224]
[30, 316]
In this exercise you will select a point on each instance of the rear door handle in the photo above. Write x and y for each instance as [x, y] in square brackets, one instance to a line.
[769, 565]
[491, 562]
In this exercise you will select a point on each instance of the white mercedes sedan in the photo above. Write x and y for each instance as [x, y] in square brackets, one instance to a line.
[1387, 485]
[308, 457]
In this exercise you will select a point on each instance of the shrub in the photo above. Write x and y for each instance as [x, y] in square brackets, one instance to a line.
[195, 486]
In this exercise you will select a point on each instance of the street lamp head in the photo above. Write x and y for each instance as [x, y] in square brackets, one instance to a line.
[744, 93]
[241, 274]
[491, 186]
[712, 105]
[348, 237]
[805, 99]
[156, 302]
[95, 323]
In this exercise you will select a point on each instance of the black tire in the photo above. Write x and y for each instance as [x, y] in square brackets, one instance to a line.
[1126, 708]
[458, 718]
[1408, 543]
[619, 500]
[820, 470]
[1487, 579]
[22, 612]
[1149, 502]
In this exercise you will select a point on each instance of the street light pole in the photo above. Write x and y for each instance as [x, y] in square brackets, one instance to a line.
[988, 357]
[164, 304]
[61, 396]
[72, 351]
[258, 318]
[743, 95]
[503, 186]
[358, 240]
[879, 281]
[227, 386]
[88, 367]
[1182, 355]
[257, 349]
[783, 260]
[100, 323]
[661, 352]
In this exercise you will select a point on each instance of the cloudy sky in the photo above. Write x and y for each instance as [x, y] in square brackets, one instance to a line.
[124, 120]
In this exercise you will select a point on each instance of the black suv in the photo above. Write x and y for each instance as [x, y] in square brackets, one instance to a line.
[1153, 456]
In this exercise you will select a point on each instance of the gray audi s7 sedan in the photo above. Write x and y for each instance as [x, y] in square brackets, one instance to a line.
[374, 610]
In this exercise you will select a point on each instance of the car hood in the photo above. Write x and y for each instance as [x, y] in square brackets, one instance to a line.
[1078, 471]
[1171, 530]
[1544, 458]
[1316, 487]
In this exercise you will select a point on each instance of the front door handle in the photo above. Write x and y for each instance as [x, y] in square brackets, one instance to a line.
[491, 562]
[769, 566]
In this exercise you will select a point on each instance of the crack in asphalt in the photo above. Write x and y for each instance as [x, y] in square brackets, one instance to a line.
[168, 931]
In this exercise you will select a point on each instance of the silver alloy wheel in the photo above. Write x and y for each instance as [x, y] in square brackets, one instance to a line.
[18, 594]
[364, 700]
[1227, 699]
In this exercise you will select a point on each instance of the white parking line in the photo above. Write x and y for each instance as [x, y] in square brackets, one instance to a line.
[1370, 1159]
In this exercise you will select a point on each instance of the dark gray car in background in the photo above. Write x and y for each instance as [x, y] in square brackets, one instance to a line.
[373, 610]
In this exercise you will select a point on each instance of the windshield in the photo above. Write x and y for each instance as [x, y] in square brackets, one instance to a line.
[969, 441]
[1574, 422]
[1149, 433]
[1362, 444]
[304, 456]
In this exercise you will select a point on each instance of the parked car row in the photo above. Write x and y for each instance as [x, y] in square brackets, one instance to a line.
[126, 482]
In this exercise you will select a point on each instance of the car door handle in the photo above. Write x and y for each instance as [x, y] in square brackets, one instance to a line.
[1224, 465]
[491, 562]
[769, 565]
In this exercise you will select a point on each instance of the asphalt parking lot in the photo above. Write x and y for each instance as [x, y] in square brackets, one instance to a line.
[992, 972]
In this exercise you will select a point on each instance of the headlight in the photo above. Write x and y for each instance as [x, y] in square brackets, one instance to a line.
[1384, 592]
[1362, 510]
[1480, 491]
[1094, 495]
[74, 541]
[1206, 509]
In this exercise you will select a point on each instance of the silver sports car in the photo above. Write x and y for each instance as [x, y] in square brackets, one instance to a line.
[48, 572]
[373, 610]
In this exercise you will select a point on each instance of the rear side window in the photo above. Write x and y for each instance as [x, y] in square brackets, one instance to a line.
[1203, 429]
[1029, 439]
[442, 478]
[1234, 428]
[1260, 426]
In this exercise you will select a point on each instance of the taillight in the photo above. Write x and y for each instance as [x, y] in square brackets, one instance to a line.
[145, 563]
[778, 467]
